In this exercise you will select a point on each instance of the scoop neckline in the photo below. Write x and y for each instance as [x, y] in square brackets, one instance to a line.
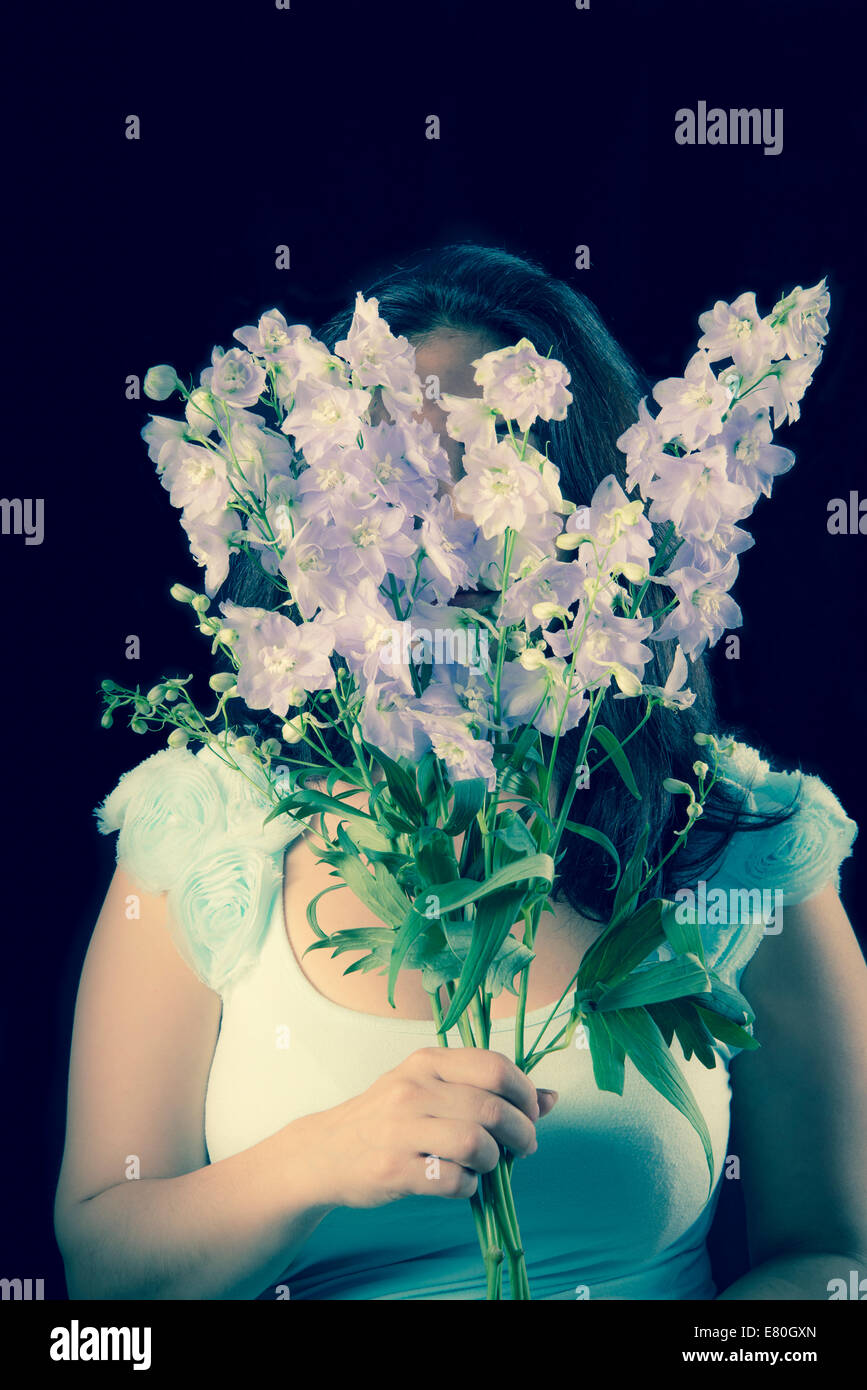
[395, 1025]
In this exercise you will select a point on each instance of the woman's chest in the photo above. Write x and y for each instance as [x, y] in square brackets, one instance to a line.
[561, 940]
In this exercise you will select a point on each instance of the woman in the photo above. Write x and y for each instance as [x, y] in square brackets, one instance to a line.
[246, 1121]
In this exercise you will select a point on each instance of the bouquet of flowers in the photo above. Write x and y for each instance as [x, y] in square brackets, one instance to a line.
[448, 819]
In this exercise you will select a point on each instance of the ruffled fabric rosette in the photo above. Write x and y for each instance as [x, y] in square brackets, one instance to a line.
[795, 859]
[192, 827]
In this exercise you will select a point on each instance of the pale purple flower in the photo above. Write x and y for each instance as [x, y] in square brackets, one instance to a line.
[609, 648]
[696, 494]
[341, 478]
[753, 461]
[704, 610]
[712, 554]
[446, 541]
[642, 444]
[311, 569]
[209, 542]
[532, 544]
[272, 335]
[373, 643]
[280, 661]
[692, 405]
[194, 477]
[158, 431]
[735, 330]
[498, 490]
[378, 358]
[464, 755]
[533, 678]
[621, 535]
[234, 376]
[553, 582]
[389, 721]
[522, 385]
[470, 419]
[801, 321]
[394, 478]
[325, 414]
[784, 387]
[374, 542]
[673, 694]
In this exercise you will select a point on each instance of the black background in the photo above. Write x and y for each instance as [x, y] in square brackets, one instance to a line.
[306, 127]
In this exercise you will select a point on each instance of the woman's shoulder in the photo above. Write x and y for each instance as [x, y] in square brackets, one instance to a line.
[802, 852]
[192, 825]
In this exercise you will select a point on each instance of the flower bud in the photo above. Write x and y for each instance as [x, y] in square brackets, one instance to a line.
[160, 382]
[223, 681]
[108, 686]
[155, 694]
[107, 720]
[293, 729]
[209, 626]
[201, 603]
[227, 635]
[672, 784]
[244, 744]
[171, 694]
[271, 747]
[142, 706]
[178, 738]
[138, 726]
[700, 769]
[182, 593]
[694, 810]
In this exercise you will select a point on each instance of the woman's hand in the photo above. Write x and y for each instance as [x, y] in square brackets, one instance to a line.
[455, 1105]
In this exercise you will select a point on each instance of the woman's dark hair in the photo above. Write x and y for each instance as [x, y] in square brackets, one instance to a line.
[476, 288]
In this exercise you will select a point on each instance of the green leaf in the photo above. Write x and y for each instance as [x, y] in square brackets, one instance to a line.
[681, 1018]
[630, 881]
[726, 1031]
[643, 1043]
[378, 939]
[683, 937]
[379, 891]
[606, 1053]
[515, 753]
[311, 910]
[613, 748]
[369, 836]
[306, 803]
[590, 833]
[622, 946]
[402, 787]
[467, 890]
[494, 919]
[413, 925]
[514, 834]
[727, 1001]
[511, 956]
[469, 798]
[669, 979]
[434, 855]
[425, 777]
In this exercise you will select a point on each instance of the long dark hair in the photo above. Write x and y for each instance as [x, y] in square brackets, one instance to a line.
[476, 288]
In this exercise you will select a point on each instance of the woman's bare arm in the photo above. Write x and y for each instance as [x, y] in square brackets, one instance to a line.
[144, 1037]
[799, 1112]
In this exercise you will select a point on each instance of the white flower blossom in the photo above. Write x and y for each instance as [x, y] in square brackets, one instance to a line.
[522, 385]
